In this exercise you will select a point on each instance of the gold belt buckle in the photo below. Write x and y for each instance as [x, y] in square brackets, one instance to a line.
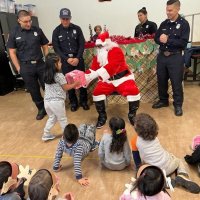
[167, 53]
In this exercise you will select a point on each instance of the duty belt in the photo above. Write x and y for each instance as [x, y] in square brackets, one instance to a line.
[32, 61]
[169, 53]
[119, 75]
[72, 55]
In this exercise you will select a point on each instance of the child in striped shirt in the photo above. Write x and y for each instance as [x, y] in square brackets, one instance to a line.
[77, 143]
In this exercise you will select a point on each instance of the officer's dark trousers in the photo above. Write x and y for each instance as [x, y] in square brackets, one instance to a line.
[66, 67]
[171, 67]
[32, 75]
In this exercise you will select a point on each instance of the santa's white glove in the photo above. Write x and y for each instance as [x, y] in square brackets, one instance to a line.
[91, 76]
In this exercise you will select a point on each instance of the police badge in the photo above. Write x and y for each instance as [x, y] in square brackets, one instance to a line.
[178, 26]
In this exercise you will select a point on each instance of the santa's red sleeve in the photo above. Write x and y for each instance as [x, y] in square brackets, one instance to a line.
[94, 66]
[116, 64]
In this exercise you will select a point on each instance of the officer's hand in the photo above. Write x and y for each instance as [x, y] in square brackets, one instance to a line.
[75, 62]
[163, 38]
[18, 70]
[70, 60]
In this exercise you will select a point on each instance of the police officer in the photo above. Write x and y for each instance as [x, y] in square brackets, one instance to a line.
[145, 27]
[24, 44]
[172, 36]
[68, 42]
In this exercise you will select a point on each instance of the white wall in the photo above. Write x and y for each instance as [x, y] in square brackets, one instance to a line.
[119, 16]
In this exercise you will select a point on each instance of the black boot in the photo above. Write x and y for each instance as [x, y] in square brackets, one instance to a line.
[41, 110]
[133, 106]
[100, 107]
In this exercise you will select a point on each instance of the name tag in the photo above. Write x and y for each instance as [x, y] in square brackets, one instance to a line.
[59, 36]
[18, 38]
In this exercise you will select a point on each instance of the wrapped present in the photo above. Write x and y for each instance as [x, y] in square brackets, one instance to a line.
[76, 75]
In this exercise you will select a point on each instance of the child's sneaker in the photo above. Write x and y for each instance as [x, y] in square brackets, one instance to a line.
[95, 146]
[48, 136]
[187, 184]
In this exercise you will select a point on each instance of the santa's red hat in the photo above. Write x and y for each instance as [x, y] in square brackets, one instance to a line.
[103, 39]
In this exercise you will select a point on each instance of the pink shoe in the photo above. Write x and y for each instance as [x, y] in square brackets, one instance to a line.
[195, 142]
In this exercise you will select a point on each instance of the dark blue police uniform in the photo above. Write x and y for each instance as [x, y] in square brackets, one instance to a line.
[170, 62]
[28, 49]
[69, 43]
[147, 28]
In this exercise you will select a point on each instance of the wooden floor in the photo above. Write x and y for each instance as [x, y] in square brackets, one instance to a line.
[21, 142]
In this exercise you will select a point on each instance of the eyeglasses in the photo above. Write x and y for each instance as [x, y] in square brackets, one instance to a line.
[26, 22]
[99, 46]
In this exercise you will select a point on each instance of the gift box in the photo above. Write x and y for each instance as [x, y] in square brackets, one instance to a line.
[76, 75]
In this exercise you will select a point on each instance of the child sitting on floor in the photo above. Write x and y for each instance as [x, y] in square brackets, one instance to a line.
[145, 145]
[149, 185]
[10, 187]
[55, 95]
[114, 150]
[77, 143]
[44, 185]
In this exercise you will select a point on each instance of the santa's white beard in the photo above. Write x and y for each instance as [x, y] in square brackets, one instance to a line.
[102, 56]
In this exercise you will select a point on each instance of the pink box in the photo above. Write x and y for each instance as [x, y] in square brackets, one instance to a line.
[76, 75]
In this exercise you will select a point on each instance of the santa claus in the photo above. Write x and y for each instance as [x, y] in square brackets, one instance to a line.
[114, 75]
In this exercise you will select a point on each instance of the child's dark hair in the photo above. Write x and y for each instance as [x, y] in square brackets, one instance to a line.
[145, 126]
[40, 185]
[150, 182]
[143, 11]
[71, 133]
[5, 172]
[119, 137]
[175, 2]
[51, 61]
[97, 26]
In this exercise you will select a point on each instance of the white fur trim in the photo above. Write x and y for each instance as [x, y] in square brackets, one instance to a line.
[93, 74]
[122, 80]
[133, 98]
[99, 97]
[102, 72]
[99, 42]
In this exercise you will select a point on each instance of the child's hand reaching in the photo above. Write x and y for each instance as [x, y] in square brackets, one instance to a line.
[68, 196]
[77, 83]
[83, 181]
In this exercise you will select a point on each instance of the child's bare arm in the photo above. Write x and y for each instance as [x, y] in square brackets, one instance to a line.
[70, 86]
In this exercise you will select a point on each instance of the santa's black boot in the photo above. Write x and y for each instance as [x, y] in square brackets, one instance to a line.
[100, 107]
[133, 107]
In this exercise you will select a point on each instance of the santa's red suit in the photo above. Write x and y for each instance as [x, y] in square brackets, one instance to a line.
[113, 76]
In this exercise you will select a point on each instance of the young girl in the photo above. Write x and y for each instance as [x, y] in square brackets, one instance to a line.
[44, 185]
[149, 185]
[11, 188]
[55, 95]
[151, 151]
[114, 150]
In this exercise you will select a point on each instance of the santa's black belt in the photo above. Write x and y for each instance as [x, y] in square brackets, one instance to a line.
[119, 75]
[169, 53]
